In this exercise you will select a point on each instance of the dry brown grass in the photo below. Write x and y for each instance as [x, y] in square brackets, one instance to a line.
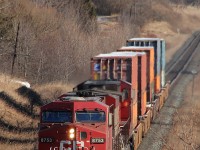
[15, 117]
[185, 133]
[174, 42]
[19, 136]
[9, 113]
[10, 146]
[17, 121]
[177, 33]
[10, 90]
[52, 91]
[190, 19]
[7, 83]
[164, 30]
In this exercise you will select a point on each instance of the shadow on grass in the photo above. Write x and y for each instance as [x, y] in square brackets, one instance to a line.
[33, 97]
[17, 141]
[24, 109]
[10, 128]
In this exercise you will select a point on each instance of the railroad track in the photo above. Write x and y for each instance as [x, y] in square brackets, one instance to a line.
[178, 71]
[182, 58]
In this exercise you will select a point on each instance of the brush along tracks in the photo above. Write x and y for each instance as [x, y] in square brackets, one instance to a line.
[181, 63]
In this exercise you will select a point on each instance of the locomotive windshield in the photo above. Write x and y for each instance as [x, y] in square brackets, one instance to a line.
[56, 116]
[90, 116]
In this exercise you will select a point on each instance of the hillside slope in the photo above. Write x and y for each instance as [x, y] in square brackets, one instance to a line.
[18, 124]
[19, 112]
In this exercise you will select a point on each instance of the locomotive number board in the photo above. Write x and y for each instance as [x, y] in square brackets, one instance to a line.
[97, 140]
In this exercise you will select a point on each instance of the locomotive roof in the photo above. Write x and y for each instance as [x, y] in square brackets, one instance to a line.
[102, 82]
[77, 98]
[144, 39]
[120, 54]
[136, 47]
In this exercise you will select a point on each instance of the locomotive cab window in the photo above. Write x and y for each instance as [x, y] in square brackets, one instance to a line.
[124, 94]
[56, 116]
[90, 116]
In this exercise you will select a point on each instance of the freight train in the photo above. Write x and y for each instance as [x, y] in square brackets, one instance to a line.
[112, 110]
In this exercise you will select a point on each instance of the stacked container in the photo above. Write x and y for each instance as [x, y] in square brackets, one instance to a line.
[142, 84]
[159, 65]
[130, 67]
[163, 62]
[149, 66]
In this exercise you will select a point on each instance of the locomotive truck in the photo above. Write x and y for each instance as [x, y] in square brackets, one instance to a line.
[114, 108]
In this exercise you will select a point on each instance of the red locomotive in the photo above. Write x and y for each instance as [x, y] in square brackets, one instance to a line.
[113, 110]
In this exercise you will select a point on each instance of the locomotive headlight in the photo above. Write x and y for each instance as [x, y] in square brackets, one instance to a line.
[72, 133]
[71, 130]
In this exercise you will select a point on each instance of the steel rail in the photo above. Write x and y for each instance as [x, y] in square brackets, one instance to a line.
[174, 72]
[179, 65]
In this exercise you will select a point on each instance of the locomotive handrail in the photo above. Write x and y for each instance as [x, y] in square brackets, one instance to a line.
[125, 123]
[107, 91]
